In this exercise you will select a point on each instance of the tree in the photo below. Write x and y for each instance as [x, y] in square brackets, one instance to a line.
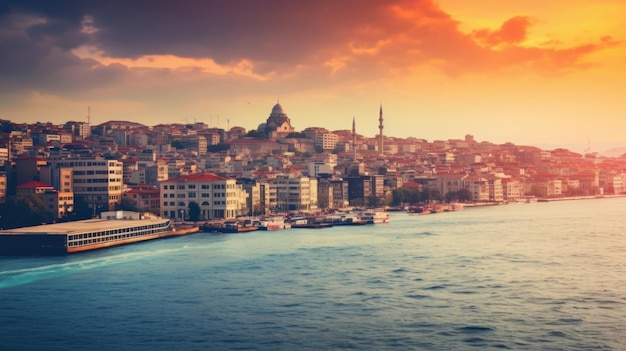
[257, 134]
[459, 195]
[537, 190]
[24, 211]
[127, 204]
[194, 211]
[299, 135]
[81, 210]
[373, 201]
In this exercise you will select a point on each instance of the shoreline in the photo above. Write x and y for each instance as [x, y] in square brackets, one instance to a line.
[544, 199]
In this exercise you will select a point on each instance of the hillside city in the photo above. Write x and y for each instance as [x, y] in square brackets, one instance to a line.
[195, 172]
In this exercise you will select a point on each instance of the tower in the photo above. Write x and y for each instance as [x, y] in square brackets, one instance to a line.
[380, 128]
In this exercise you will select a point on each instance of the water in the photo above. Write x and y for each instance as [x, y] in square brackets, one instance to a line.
[544, 276]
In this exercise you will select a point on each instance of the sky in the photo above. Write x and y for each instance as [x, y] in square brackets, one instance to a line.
[532, 72]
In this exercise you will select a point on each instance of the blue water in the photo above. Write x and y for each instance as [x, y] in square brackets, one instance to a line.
[543, 276]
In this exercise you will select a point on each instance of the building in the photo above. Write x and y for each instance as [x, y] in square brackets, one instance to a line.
[326, 141]
[217, 197]
[57, 202]
[512, 189]
[28, 169]
[297, 193]
[3, 187]
[278, 124]
[478, 187]
[111, 229]
[97, 182]
[146, 199]
[325, 194]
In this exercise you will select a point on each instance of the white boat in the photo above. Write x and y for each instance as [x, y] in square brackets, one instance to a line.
[274, 223]
[375, 217]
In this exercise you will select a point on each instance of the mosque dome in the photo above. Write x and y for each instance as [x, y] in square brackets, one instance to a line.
[278, 110]
[278, 120]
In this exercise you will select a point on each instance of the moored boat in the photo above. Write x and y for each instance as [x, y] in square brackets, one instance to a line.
[375, 217]
[228, 227]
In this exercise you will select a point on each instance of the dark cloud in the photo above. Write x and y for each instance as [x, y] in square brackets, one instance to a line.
[368, 38]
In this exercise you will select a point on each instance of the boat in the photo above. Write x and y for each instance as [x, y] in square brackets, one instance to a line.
[345, 219]
[229, 227]
[375, 217]
[311, 223]
[112, 228]
[417, 209]
[273, 223]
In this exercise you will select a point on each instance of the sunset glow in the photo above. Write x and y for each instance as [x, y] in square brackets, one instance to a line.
[527, 72]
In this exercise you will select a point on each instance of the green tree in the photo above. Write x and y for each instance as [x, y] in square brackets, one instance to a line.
[24, 211]
[459, 195]
[373, 201]
[194, 211]
[127, 204]
[257, 134]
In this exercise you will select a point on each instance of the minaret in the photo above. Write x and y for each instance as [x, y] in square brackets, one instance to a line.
[353, 140]
[380, 127]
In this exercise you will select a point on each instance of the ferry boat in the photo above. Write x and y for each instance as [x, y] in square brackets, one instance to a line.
[375, 217]
[273, 223]
[111, 229]
[344, 219]
[229, 227]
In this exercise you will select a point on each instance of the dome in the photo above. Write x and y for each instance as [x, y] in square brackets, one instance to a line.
[278, 110]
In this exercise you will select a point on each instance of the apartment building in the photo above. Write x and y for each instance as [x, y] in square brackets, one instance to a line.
[326, 141]
[217, 197]
[97, 182]
[145, 199]
[295, 193]
[3, 187]
[57, 202]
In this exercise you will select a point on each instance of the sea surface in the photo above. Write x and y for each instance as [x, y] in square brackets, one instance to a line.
[541, 276]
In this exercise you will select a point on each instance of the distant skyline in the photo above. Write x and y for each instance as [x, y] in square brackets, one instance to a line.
[529, 72]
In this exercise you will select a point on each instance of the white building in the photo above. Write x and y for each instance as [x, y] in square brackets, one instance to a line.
[299, 193]
[322, 165]
[326, 141]
[217, 197]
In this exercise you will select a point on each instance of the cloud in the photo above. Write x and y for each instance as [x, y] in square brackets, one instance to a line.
[513, 31]
[95, 46]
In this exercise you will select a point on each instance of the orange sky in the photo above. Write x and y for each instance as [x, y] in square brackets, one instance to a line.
[529, 72]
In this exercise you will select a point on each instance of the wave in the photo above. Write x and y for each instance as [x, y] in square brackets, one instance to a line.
[21, 276]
